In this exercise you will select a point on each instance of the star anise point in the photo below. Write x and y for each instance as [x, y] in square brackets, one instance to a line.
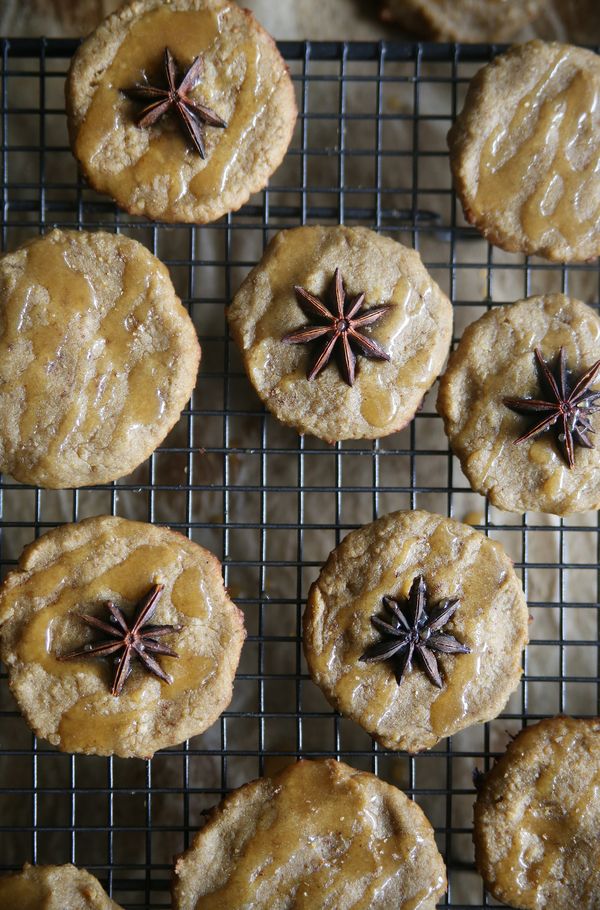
[415, 631]
[135, 640]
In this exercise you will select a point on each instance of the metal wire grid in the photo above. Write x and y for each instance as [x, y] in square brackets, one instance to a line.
[369, 149]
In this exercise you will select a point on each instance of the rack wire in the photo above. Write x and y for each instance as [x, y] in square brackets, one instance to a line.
[369, 149]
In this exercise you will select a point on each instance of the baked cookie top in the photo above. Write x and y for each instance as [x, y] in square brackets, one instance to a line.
[318, 834]
[414, 331]
[97, 358]
[382, 560]
[155, 170]
[462, 20]
[77, 569]
[53, 888]
[524, 151]
[537, 818]
[495, 359]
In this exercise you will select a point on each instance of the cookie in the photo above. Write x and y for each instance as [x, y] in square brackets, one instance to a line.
[495, 361]
[53, 888]
[205, 150]
[97, 358]
[318, 834]
[524, 151]
[462, 20]
[350, 378]
[537, 818]
[73, 590]
[415, 627]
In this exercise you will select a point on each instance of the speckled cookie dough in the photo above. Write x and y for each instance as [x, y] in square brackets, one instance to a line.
[318, 834]
[97, 358]
[462, 20]
[537, 818]
[495, 359]
[77, 569]
[524, 151]
[53, 888]
[382, 560]
[415, 332]
[154, 170]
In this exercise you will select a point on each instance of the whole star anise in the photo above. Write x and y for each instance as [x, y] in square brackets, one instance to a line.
[414, 631]
[341, 324]
[138, 641]
[192, 115]
[567, 407]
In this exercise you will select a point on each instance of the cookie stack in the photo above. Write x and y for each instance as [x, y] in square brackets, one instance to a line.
[120, 638]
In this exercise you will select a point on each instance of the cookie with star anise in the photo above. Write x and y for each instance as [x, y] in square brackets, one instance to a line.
[180, 110]
[118, 637]
[415, 628]
[520, 401]
[342, 331]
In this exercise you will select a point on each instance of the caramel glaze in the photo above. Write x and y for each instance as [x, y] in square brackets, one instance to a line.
[551, 147]
[546, 830]
[232, 84]
[321, 839]
[93, 720]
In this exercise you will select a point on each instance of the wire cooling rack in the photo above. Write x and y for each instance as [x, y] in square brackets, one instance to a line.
[369, 149]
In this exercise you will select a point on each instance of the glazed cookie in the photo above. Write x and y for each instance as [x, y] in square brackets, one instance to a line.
[326, 294]
[97, 358]
[53, 888]
[415, 628]
[524, 151]
[95, 590]
[179, 109]
[494, 364]
[318, 834]
[462, 20]
[537, 818]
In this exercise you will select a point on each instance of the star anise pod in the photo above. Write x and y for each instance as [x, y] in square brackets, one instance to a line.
[412, 630]
[567, 407]
[138, 641]
[341, 323]
[192, 115]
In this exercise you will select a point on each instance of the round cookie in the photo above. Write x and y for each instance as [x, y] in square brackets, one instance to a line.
[382, 560]
[462, 20]
[495, 359]
[524, 151]
[318, 834]
[97, 358]
[78, 569]
[537, 818]
[53, 888]
[413, 330]
[155, 169]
